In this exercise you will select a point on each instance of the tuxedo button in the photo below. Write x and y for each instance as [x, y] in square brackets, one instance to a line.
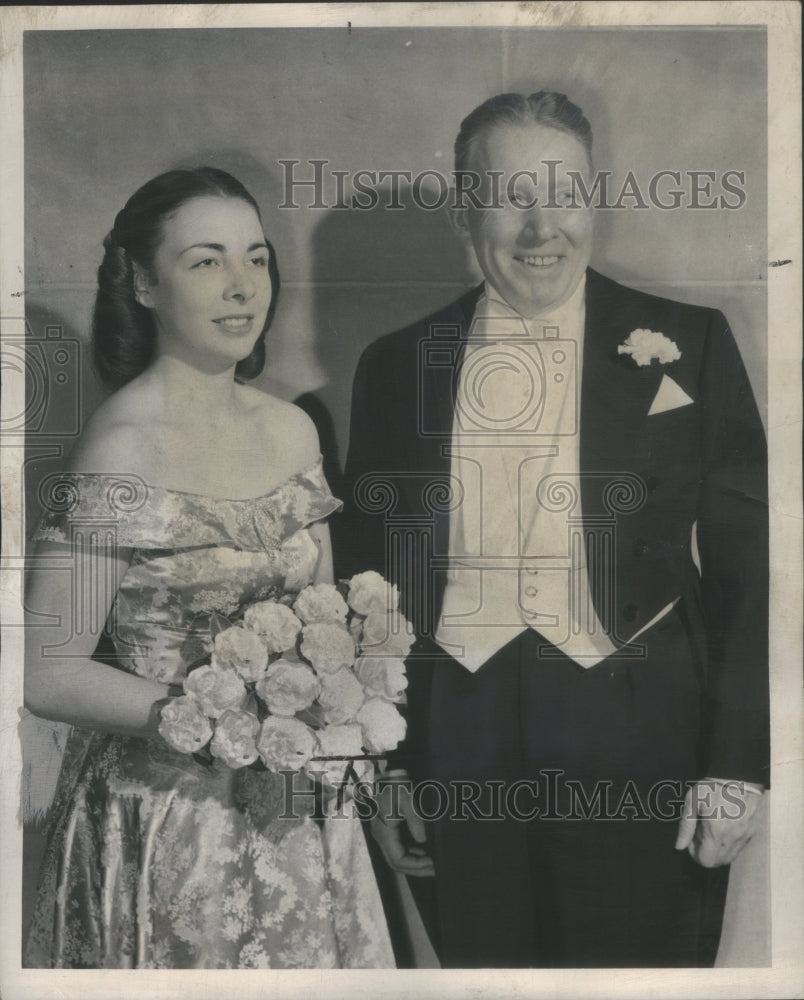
[531, 591]
[640, 547]
[652, 483]
[630, 612]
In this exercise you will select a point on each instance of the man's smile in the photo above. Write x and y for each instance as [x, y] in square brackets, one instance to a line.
[537, 261]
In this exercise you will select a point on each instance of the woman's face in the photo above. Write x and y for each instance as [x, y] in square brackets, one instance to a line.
[212, 287]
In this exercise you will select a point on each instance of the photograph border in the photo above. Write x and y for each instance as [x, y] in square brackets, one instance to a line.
[785, 977]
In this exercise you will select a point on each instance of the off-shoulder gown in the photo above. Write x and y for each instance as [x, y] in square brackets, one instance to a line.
[153, 860]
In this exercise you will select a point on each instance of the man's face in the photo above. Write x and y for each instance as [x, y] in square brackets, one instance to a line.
[533, 256]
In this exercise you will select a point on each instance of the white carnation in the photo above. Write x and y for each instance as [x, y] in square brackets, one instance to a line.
[216, 689]
[242, 650]
[383, 726]
[235, 738]
[277, 625]
[183, 725]
[327, 646]
[645, 345]
[356, 626]
[320, 602]
[285, 744]
[341, 741]
[386, 634]
[287, 688]
[382, 676]
[341, 696]
[370, 592]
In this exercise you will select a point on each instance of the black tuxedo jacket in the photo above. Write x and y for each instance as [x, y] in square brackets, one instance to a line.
[700, 466]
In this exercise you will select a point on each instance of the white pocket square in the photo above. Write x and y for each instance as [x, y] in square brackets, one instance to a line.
[669, 397]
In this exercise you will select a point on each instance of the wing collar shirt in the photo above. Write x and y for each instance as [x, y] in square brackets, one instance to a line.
[516, 551]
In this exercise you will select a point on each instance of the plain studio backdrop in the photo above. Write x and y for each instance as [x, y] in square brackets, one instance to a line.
[107, 110]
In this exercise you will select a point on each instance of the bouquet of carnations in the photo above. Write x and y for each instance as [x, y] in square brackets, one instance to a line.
[313, 685]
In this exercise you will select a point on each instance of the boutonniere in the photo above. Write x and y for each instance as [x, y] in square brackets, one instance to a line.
[645, 345]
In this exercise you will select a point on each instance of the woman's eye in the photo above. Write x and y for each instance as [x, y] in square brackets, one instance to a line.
[565, 198]
[206, 262]
[261, 261]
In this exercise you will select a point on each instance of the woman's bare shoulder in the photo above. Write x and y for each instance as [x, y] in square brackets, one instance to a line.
[112, 440]
[291, 432]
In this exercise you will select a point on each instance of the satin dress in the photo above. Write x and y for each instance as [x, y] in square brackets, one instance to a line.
[154, 860]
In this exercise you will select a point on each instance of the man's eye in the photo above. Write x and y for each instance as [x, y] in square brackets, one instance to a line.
[565, 198]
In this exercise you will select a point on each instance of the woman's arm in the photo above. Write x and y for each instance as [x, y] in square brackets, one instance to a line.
[62, 681]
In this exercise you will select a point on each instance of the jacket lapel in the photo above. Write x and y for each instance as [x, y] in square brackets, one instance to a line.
[440, 355]
[616, 393]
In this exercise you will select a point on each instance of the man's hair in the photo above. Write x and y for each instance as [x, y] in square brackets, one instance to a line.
[546, 107]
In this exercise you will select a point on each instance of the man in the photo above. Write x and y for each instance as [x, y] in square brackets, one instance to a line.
[531, 465]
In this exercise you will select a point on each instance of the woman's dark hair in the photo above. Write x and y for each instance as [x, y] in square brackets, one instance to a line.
[546, 107]
[123, 331]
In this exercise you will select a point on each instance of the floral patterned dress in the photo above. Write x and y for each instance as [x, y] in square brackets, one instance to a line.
[154, 860]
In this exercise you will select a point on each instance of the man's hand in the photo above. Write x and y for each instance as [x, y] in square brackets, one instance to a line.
[396, 823]
[718, 821]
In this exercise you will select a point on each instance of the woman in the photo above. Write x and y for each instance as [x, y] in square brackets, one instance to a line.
[189, 494]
